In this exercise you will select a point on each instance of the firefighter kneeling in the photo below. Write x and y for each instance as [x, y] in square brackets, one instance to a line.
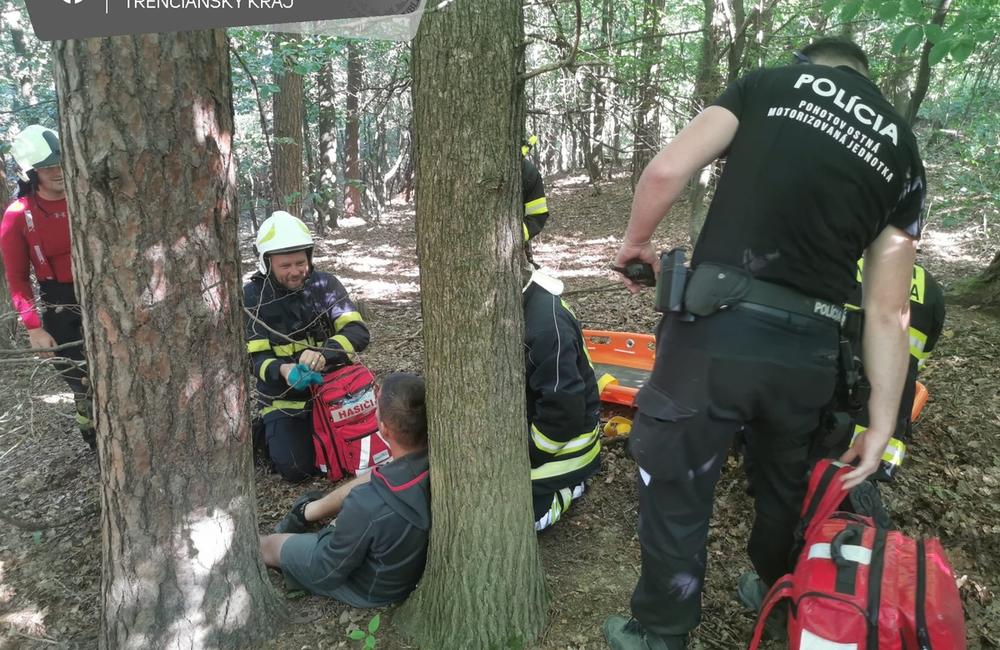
[562, 400]
[300, 323]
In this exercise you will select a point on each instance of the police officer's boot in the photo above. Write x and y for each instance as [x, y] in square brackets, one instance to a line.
[628, 634]
[751, 592]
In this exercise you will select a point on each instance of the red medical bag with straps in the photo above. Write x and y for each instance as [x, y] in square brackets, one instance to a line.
[345, 429]
[856, 586]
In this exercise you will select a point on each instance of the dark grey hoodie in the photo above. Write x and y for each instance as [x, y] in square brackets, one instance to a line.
[378, 545]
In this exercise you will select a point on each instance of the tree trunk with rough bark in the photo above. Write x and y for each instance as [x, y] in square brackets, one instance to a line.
[352, 148]
[287, 108]
[147, 153]
[326, 202]
[483, 586]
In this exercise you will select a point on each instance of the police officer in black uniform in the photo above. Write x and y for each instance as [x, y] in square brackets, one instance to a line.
[820, 168]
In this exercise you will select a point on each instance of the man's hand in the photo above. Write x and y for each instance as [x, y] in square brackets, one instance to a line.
[314, 359]
[867, 449]
[629, 253]
[39, 338]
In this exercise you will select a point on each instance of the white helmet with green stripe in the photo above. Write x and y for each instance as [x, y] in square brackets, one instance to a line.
[34, 147]
[281, 233]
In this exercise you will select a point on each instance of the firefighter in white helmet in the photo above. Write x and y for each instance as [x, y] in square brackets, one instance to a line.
[34, 239]
[296, 316]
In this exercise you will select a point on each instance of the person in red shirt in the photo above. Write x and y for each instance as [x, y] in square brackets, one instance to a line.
[34, 238]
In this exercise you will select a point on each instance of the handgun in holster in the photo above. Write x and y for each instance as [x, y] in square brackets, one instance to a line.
[672, 284]
[852, 391]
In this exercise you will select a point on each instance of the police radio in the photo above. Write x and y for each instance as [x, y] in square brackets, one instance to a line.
[672, 282]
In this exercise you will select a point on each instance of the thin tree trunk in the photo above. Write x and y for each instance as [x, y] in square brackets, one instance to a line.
[924, 69]
[326, 187]
[307, 146]
[483, 586]
[598, 101]
[288, 129]
[352, 171]
[156, 261]
[262, 115]
[646, 117]
[707, 85]
[8, 317]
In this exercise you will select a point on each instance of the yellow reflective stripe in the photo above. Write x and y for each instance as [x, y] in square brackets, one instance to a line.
[560, 467]
[918, 285]
[861, 269]
[263, 368]
[258, 345]
[551, 446]
[525, 149]
[918, 341]
[281, 404]
[895, 449]
[346, 318]
[344, 343]
[538, 206]
[851, 307]
[84, 422]
[543, 442]
[289, 349]
[524, 230]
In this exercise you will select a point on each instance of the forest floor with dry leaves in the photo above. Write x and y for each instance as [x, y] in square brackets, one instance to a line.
[50, 537]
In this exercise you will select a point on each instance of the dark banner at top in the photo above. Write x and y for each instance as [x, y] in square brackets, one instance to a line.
[64, 19]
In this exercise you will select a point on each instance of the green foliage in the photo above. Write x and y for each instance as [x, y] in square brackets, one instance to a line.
[367, 637]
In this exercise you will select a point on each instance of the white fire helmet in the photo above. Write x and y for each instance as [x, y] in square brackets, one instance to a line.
[34, 147]
[281, 233]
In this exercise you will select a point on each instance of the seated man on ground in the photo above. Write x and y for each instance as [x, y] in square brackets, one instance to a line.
[373, 554]
[563, 405]
[300, 323]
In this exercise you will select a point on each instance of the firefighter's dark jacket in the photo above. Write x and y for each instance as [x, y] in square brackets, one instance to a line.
[561, 390]
[536, 209]
[927, 313]
[281, 323]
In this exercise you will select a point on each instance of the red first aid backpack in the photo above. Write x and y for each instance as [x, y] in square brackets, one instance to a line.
[856, 586]
[345, 430]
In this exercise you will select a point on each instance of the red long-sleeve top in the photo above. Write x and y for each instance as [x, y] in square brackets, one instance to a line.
[52, 223]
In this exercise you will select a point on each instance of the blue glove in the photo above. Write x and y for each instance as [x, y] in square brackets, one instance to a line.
[301, 377]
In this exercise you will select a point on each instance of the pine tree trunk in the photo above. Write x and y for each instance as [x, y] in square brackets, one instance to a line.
[288, 130]
[483, 586]
[147, 152]
[326, 202]
[352, 171]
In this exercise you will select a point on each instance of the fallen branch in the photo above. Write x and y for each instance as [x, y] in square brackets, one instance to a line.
[34, 525]
[611, 286]
[22, 352]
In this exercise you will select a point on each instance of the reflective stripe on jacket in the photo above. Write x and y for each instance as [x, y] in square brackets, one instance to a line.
[281, 323]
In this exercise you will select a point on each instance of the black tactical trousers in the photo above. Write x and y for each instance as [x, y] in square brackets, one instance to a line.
[62, 319]
[290, 446]
[747, 365]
